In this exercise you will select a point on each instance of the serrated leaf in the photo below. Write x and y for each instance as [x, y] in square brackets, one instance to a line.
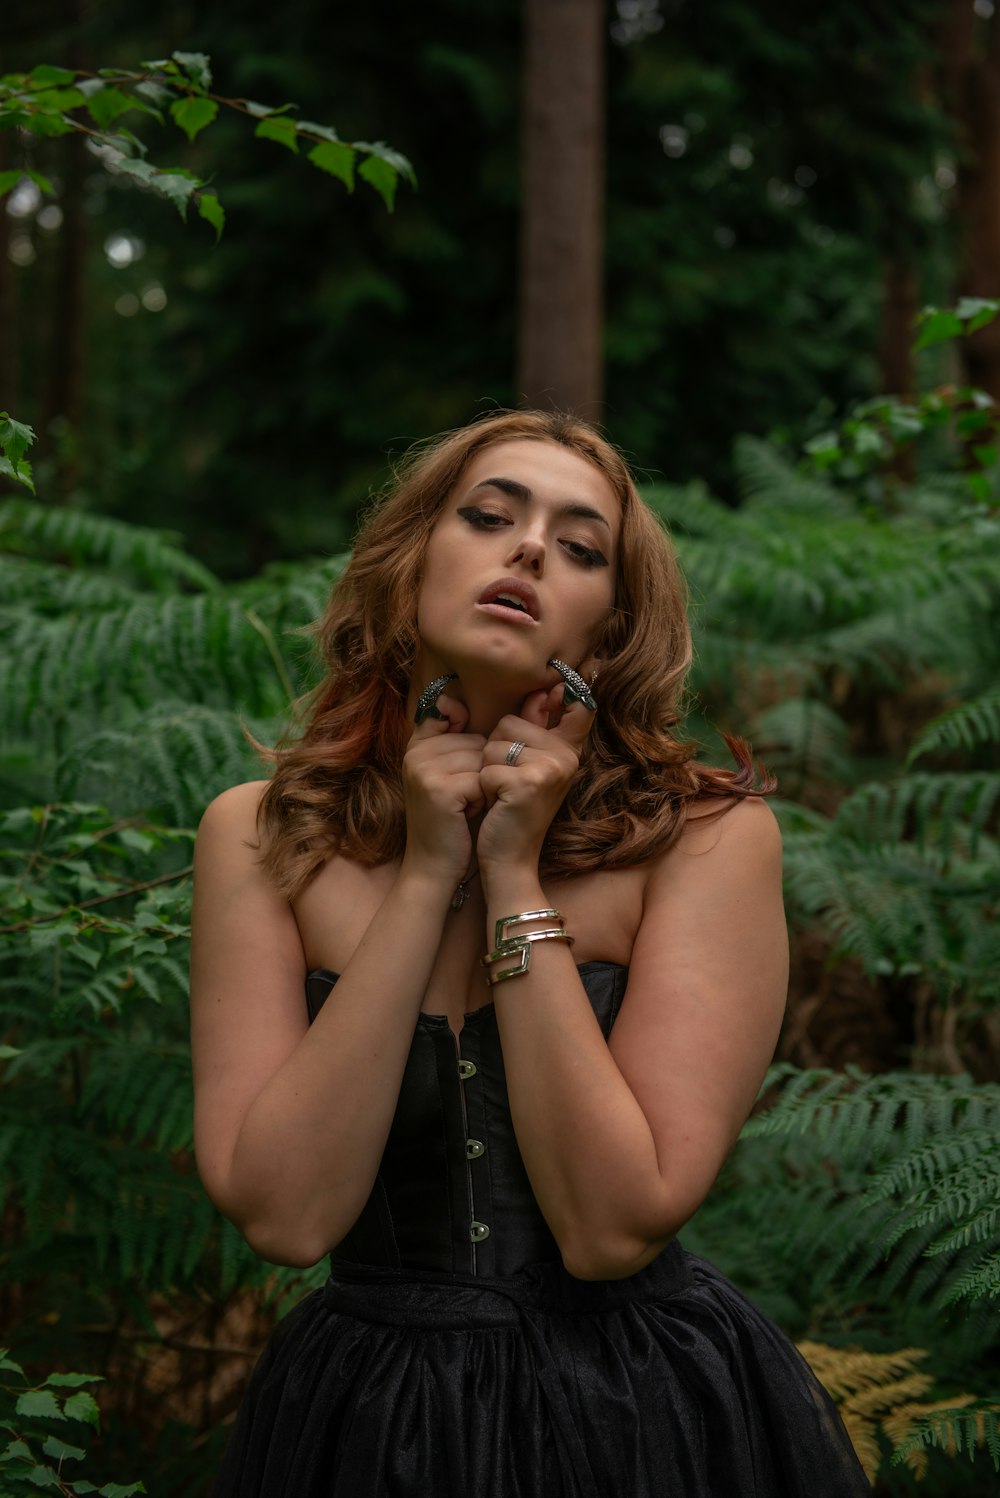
[52, 1446]
[43, 1477]
[47, 76]
[74, 1380]
[193, 113]
[107, 104]
[383, 177]
[337, 159]
[116, 1490]
[395, 159]
[210, 209]
[16, 1449]
[143, 171]
[15, 438]
[197, 65]
[280, 129]
[22, 474]
[37, 1402]
[82, 1406]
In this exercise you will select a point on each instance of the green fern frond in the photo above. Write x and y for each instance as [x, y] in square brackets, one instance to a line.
[963, 727]
[763, 473]
[80, 538]
[954, 1428]
[168, 761]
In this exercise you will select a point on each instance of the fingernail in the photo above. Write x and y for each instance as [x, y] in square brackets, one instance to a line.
[575, 689]
[427, 701]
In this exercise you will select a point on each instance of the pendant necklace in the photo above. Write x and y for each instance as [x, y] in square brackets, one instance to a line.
[461, 894]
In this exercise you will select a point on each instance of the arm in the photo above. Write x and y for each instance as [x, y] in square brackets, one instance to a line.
[623, 1140]
[291, 1119]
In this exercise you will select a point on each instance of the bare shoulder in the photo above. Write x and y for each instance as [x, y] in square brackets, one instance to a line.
[743, 829]
[233, 812]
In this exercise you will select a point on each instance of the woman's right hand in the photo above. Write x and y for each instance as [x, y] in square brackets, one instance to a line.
[442, 791]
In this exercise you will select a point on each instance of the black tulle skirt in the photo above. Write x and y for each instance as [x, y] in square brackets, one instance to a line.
[389, 1384]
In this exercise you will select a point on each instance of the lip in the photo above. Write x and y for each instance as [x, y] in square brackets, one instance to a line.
[513, 587]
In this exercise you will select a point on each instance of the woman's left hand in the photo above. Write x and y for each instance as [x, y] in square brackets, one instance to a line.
[524, 797]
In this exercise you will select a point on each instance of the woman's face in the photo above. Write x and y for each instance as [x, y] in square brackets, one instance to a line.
[520, 565]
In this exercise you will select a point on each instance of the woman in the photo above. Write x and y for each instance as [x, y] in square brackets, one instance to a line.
[497, 1133]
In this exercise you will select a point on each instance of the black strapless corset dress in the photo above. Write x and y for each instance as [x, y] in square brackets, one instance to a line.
[450, 1355]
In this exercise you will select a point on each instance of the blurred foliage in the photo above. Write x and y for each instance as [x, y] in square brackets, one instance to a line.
[762, 169]
[233, 406]
[861, 1209]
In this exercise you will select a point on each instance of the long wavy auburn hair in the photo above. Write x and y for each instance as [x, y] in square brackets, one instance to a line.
[337, 788]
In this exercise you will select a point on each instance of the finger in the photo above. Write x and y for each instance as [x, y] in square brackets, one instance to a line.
[448, 716]
[574, 725]
[535, 708]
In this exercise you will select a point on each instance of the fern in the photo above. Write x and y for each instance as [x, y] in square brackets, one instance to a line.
[148, 556]
[963, 727]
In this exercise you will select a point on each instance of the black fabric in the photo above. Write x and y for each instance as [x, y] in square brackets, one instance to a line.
[435, 1366]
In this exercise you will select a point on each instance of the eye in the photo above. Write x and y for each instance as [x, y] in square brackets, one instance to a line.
[589, 556]
[484, 520]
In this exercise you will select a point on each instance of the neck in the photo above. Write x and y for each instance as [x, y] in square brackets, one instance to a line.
[486, 698]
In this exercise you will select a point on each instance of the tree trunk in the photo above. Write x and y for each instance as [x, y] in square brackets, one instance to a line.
[561, 301]
[10, 399]
[973, 84]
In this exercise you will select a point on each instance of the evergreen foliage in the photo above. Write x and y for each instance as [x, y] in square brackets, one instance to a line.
[130, 675]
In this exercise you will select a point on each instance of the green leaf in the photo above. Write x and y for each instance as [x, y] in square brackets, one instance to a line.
[38, 1402]
[260, 110]
[21, 474]
[7, 1053]
[73, 1380]
[193, 113]
[15, 438]
[392, 158]
[17, 1449]
[213, 212]
[82, 1406]
[986, 455]
[325, 132]
[383, 177]
[979, 487]
[9, 180]
[937, 325]
[47, 76]
[337, 159]
[977, 311]
[44, 1477]
[40, 181]
[197, 66]
[48, 125]
[116, 1490]
[52, 1446]
[58, 100]
[108, 103]
[280, 129]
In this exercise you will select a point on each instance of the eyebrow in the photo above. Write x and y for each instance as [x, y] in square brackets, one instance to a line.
[521, 492]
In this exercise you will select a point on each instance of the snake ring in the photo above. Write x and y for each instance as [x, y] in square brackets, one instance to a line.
[427, 701]
[511, 757]
[576, 689]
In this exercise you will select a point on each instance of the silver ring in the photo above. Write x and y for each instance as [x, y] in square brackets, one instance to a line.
[511, 756]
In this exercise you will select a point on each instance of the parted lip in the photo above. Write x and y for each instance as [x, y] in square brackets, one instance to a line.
[512, 587]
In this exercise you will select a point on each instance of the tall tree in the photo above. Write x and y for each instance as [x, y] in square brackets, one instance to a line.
[561, 292]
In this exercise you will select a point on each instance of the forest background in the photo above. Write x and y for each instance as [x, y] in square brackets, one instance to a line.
[713, 229]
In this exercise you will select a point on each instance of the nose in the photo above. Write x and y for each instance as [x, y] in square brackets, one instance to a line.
[529, 550]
